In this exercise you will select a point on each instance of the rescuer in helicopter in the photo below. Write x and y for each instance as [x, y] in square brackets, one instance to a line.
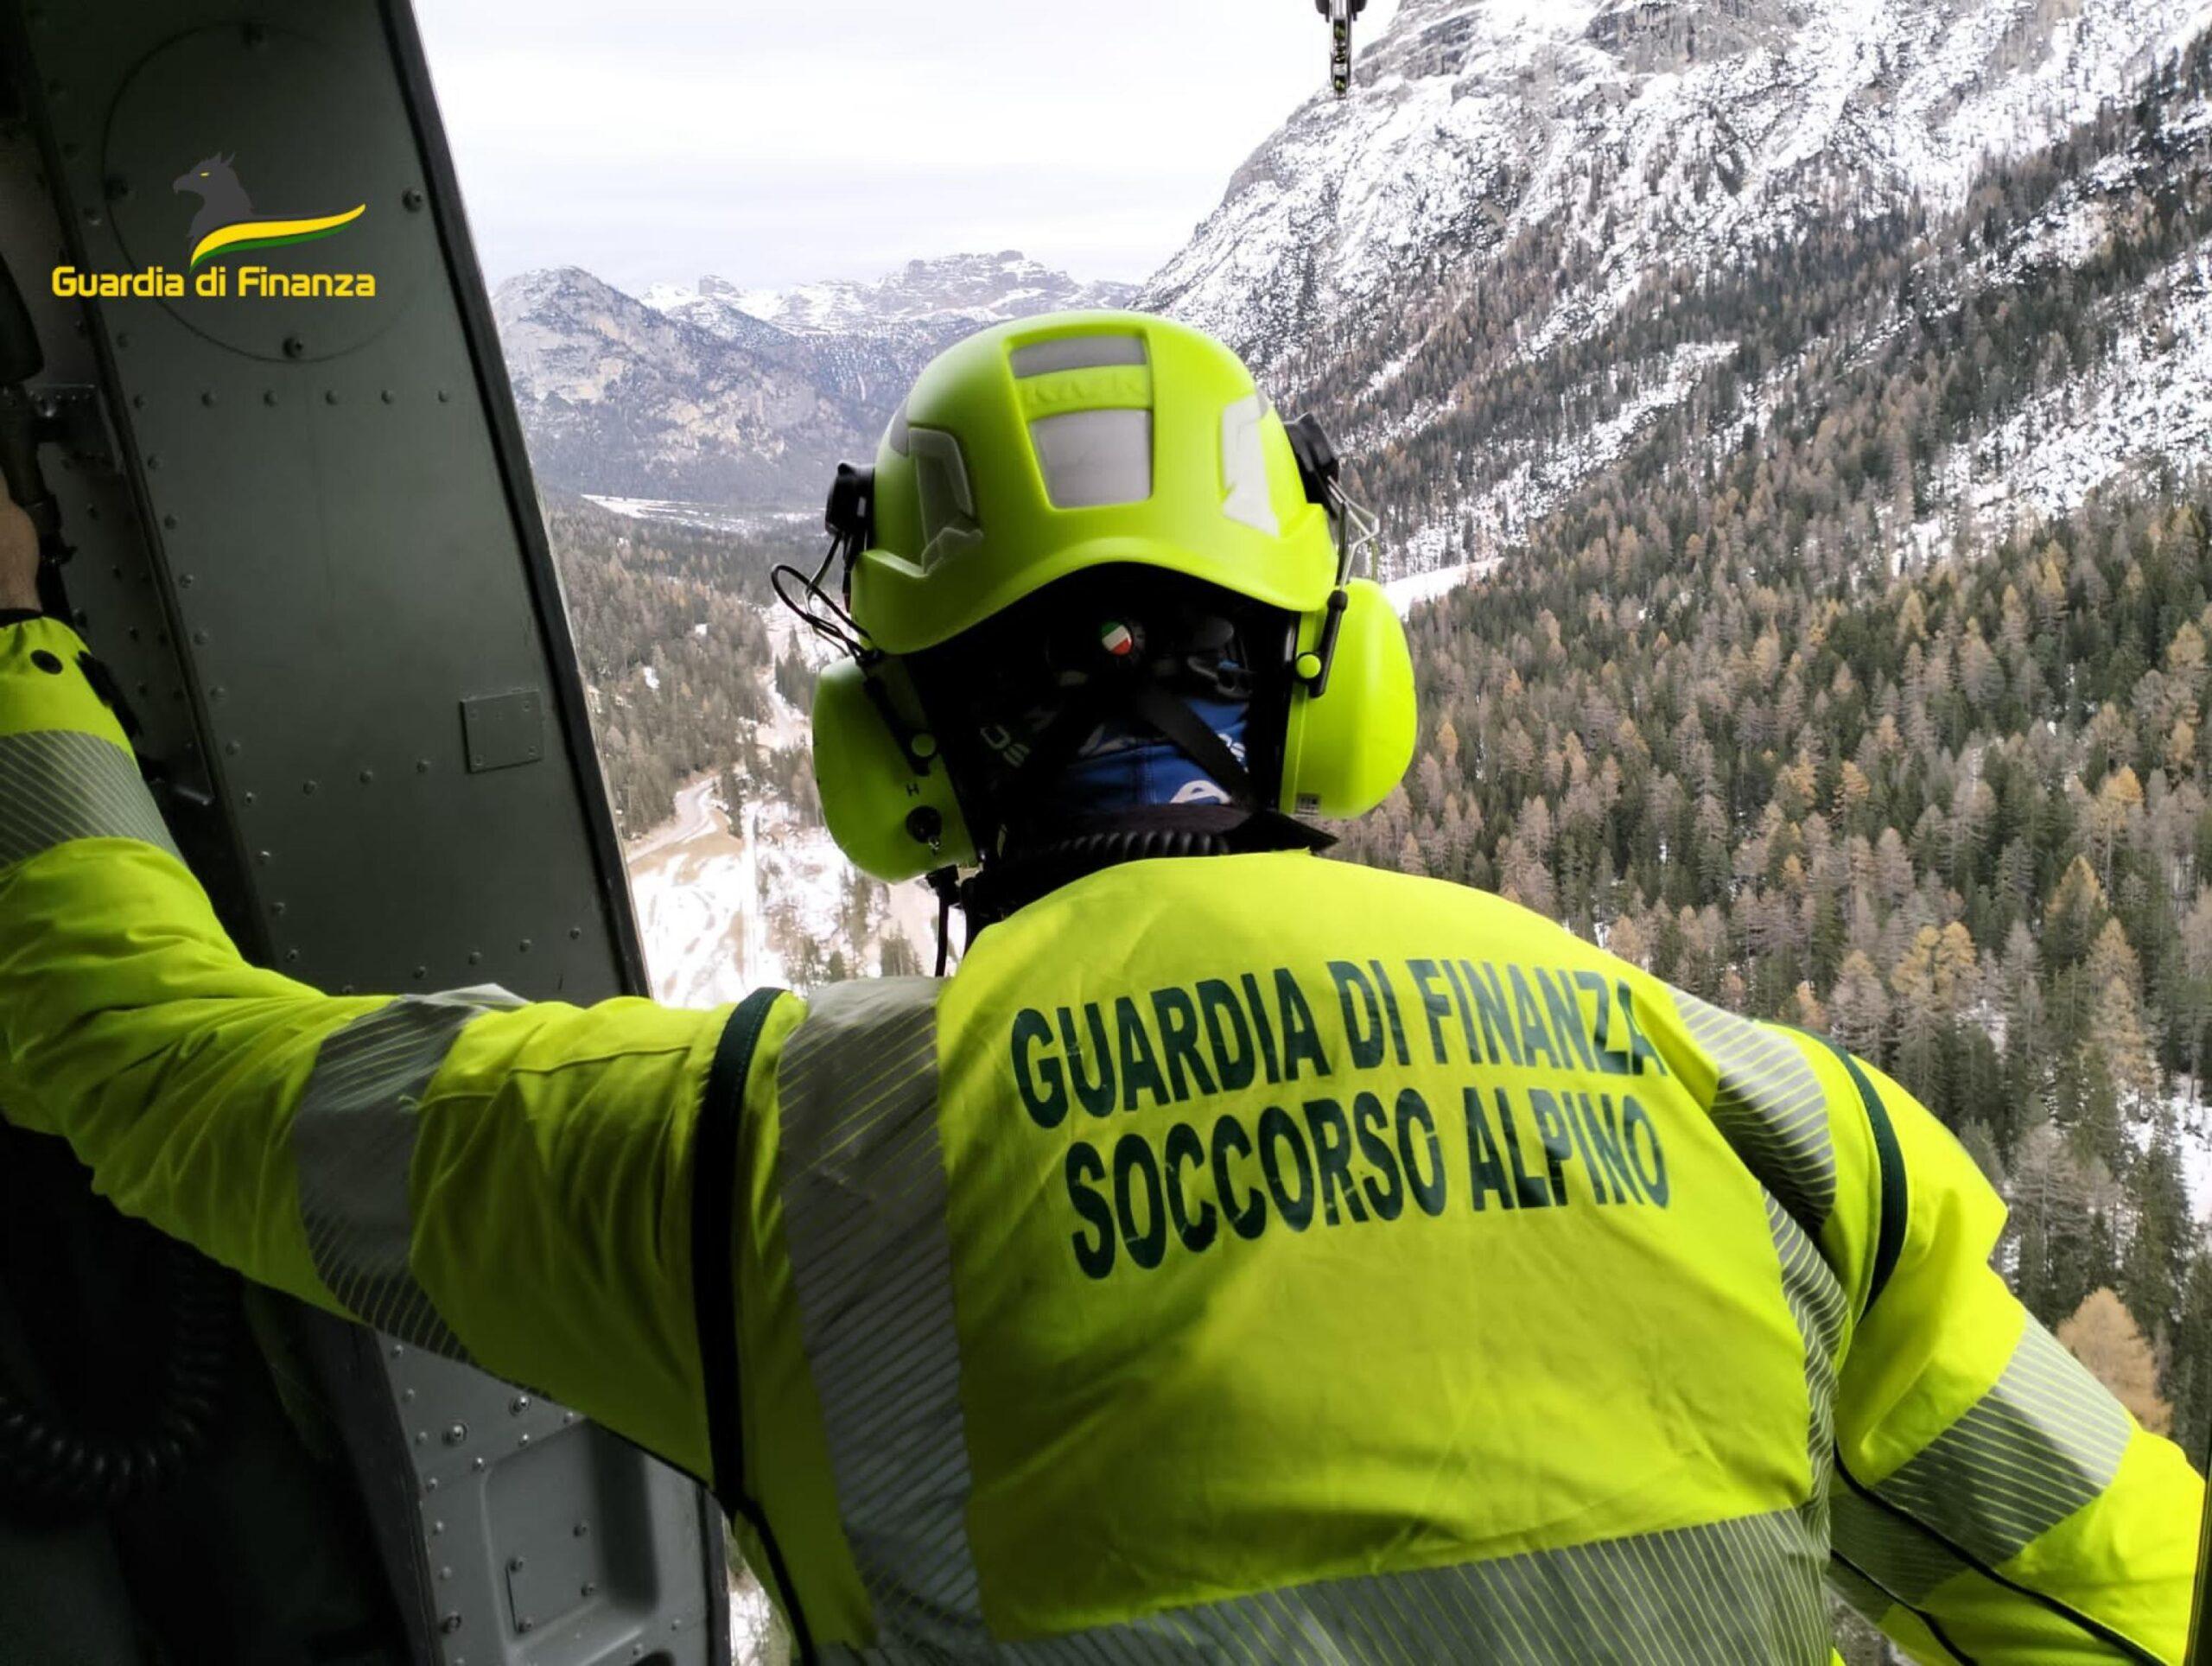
[1243, 1254]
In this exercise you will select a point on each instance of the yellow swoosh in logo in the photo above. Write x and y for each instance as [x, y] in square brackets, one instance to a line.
[267, 233]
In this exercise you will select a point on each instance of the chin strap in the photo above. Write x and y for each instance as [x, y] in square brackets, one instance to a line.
[1172, 719]
[1142, 701]
[945, 881]
[1040, 850]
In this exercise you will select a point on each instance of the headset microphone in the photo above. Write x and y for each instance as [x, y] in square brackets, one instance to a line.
[849, 517]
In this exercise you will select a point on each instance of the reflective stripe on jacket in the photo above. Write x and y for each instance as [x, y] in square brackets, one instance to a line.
[1251, 1258]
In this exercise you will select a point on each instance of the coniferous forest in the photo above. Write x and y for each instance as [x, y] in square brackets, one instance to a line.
[1768, 707]
[671, 634]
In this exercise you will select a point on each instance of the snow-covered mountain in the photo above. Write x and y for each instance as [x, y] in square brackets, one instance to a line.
[1470, 233]
[1487, 222]
[973, 289]
[710, 393]
[1660, 133]
[621, 399]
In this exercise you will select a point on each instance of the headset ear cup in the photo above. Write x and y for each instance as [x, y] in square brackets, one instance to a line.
[1345, 748]
[875, 804]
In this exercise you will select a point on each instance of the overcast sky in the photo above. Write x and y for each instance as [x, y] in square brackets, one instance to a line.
[771, 143]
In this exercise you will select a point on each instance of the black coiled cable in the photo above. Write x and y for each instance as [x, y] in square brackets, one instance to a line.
[1029, 871]
[58, 1466]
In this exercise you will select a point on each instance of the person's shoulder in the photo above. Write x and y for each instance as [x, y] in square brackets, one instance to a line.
[1356, 889]
[1190, 890]
[1353, 876]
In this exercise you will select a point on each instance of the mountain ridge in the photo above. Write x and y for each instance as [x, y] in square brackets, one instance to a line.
[688, 394]
[929, 291]
[1473, 118]
[1491, 222]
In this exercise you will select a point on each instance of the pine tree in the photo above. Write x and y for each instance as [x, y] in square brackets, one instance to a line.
[2123, 1045]
[898, 958]
[2076, 914]
[2059, 1201]
[2190, 1376]
[1922, 1021]
[2192, 1004]
[2154, 1268]
[1858, 1009]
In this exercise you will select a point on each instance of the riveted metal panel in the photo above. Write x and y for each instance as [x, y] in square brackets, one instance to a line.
[334, 499]
[308, 546]
[595, 1554]
[502, 730]
[116, 587]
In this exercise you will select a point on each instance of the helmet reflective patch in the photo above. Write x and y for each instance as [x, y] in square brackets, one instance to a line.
[896, 435]
[1077, 353]
[946, 501]
[1244, 466]
[1091, 458]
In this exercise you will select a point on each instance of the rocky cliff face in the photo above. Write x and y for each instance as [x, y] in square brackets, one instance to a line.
[1514, 187]
[1659, 133]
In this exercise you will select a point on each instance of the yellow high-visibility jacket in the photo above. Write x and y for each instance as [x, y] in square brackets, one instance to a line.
[1240, 1258]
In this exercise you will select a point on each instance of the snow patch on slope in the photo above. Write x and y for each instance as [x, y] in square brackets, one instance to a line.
[2151, 402]
[2192, 1128]
[1501, 514]
[1407, 592]
[1661, 135]
[725, 904]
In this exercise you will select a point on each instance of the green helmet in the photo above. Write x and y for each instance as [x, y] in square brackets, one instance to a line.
[1037, 450]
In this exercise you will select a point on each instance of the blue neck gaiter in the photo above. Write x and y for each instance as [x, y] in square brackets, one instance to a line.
[1119, 767]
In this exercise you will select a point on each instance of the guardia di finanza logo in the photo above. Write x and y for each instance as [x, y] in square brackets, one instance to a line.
[227, 225]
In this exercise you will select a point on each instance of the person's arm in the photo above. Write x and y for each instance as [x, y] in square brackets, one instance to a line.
[1989, 1501]
[1992, 1502]
[507, 1183]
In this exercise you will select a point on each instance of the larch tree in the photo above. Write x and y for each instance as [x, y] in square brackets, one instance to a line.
[2103, 1335]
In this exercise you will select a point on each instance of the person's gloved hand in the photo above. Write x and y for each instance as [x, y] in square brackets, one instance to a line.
[18, 558]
